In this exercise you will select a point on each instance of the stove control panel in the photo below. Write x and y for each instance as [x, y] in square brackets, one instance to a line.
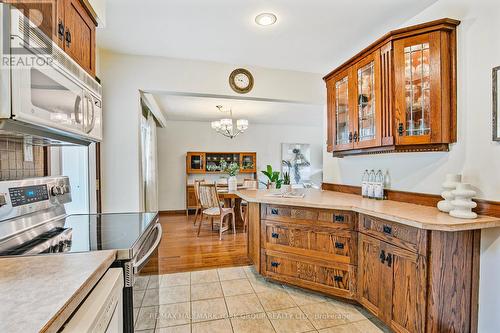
[28, 194]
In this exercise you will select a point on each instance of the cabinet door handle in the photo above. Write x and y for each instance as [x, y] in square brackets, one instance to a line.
[389, 259]
[274, 211]
[275, 235]
[355, 137]
[401, 129]
[387, 229]
[68, 38]
[274, 264]
[60, 30]
[339, 245]
[338, 218]
[382, 256]
[337, 278]
[350, 136]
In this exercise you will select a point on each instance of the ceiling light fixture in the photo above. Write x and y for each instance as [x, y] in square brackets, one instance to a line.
[225, 125]
[265, 19]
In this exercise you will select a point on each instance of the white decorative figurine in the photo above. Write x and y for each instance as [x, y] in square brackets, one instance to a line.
[450, 184]
[463, 204]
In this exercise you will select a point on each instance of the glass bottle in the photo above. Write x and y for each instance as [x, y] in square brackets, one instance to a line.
[379, 185]
[371, 184]
[364, 184]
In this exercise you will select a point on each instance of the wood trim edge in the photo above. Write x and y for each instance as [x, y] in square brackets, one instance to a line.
[173, 212]
[484, 207]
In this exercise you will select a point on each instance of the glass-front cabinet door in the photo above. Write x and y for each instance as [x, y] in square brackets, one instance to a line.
[367, 111]
[248, 162]
[195, 163]
[342, 111]
[417, 89]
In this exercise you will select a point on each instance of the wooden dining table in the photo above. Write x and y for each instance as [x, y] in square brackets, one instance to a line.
[231, 199]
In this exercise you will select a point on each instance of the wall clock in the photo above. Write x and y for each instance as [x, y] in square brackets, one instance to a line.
[241, 81]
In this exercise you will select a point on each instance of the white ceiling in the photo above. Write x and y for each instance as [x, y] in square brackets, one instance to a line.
[310, 35]
[196, 108]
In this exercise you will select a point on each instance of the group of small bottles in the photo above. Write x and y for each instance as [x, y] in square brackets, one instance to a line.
[373, 184]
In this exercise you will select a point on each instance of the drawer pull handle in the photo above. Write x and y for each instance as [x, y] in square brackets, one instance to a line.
[382, 256]
[337, 278]
[338, 218]
[274, 235]
[339, 245]
[274, 211]
[389, 259]
[274, 264]
[387, 229]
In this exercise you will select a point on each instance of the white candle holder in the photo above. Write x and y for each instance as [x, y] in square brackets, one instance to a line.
[463, 204]
[450, 184]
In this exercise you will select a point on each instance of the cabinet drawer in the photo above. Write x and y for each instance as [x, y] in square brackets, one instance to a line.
[404, 236]
[323, 243]
[325, 276]
[331, 218]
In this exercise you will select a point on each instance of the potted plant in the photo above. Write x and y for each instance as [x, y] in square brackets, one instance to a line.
[232, 170]
[286, 187]
[274, 180]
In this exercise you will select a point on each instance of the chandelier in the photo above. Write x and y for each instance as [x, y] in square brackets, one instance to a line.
[226, 126]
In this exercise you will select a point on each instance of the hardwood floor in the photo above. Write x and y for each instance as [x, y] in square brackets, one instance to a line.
[181, 250]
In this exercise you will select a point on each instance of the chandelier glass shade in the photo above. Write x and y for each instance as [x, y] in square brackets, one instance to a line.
[225, 126]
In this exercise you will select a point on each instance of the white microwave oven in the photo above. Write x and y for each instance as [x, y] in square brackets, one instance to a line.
[44, 94]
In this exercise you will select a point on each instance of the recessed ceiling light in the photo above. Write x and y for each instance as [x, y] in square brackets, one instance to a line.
[265, 19]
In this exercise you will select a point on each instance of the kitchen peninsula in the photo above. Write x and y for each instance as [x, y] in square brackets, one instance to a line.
[415, 268]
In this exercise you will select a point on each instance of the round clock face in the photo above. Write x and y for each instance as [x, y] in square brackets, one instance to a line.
[241, 81]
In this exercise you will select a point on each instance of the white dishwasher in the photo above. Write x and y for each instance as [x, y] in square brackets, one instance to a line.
[102, 310]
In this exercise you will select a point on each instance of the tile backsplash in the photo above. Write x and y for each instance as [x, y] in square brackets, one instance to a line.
[12, 163]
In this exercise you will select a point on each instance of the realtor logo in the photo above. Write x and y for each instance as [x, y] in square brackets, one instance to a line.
[32, 24]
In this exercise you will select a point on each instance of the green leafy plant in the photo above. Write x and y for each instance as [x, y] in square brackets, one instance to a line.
[232, 168]
[273, 176]
[286, 178]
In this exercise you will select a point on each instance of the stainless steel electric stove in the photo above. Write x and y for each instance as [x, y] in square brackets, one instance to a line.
[33, 221]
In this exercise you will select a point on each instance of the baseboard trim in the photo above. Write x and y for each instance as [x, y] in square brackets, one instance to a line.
[173, 212]
[484, 207]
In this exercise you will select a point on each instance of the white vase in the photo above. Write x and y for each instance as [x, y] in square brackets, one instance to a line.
[450, 184]
[232, 184]
[463, 204]
[286, 189]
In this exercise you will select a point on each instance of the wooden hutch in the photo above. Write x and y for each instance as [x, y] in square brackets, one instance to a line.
[207, 163]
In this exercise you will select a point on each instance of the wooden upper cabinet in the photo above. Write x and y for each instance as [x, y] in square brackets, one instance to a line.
[68, 23]
[423, 83]
[399, 94]
[195, 163]
[79, 39]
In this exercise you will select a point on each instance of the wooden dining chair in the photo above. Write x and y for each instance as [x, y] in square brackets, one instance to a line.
[212, 208]
[248, 184]
[197, 212]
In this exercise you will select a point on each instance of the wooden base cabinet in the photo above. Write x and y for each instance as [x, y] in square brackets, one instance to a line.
[392, 284]
[414, 280]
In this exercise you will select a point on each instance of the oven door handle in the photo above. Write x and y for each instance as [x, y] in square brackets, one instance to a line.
[141, 261]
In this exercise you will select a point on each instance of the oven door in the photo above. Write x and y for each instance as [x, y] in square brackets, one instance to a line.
[143, 299]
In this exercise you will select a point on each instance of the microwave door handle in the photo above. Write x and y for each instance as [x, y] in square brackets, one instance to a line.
[78, 103]
[91, 124]
[141, 261]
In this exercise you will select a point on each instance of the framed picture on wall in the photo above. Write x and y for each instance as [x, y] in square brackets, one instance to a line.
[496, 103]
[296, 160]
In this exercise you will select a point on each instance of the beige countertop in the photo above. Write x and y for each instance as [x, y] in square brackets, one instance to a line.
[423, 217]
[39, 293]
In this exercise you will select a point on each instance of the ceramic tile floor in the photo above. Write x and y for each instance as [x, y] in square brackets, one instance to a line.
[238, 300]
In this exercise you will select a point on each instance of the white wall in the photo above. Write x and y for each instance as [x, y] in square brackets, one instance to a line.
[474, 155]
[122, 77]
[179, 137]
